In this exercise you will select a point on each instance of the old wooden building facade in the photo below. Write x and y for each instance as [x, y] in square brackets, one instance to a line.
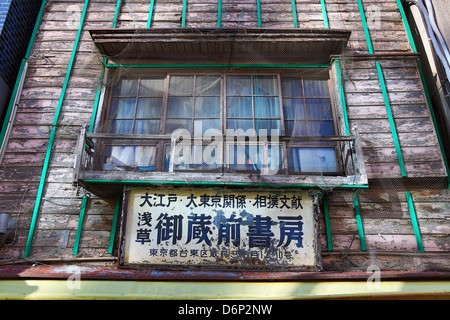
[223, 140]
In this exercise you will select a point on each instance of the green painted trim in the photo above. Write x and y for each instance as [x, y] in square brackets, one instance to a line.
[183, 16]
[80, 225]
[359, 223]
[116, 13]
[215, 65]
[241, 184]
[114, 224]
[342, 97]
[414, 221]
[97, 96]
[366, 28]
[219, 14]
[294, 13]
[327, 224]
[398, 149]
[408, 29]
[325, 15]
[52, 136]
[150, 14]
[258, 7]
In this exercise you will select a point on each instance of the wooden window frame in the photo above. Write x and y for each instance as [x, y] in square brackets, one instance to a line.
[161, 145]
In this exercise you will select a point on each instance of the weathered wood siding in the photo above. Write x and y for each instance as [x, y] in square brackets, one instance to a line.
[384, 209]
[367, 111]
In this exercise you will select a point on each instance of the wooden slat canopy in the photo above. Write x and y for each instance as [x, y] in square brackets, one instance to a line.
[312, 46]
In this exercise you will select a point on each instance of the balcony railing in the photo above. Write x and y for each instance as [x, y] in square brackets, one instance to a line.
[169, 159]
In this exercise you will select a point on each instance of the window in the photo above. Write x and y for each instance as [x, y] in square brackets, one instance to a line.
[252, 108]
[307, 112]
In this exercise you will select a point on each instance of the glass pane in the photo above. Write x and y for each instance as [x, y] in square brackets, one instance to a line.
[319, 109]
[240, 126]
[173, 124]
[207, 107]
[251, 158]
[243, 157]
[122, 108]
[149, 108]
[267, 107]
[265, 85]
[239, 85]
[126, 87]
[181, 85]
[207, 85]
[117, 157]
[120, 126]
[146, 127]
[185, 158]
[151, 87]
[320, 128]
[145, 157]
[239, 107]
[316, 88]
[295, 128]
[200, 126]
[293, 109]
[291, 87]
[268, 125]
[180, 107]
[312, 160]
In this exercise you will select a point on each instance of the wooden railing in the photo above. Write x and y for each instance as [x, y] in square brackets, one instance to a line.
[89, 166]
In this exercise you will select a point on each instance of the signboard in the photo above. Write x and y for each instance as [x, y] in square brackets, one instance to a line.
[219, 228]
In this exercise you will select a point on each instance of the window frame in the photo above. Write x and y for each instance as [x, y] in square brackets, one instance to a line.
[161, 146]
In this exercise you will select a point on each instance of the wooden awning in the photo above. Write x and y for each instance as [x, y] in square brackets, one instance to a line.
[222, 45]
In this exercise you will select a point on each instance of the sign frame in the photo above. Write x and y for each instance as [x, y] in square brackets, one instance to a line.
[249, 265]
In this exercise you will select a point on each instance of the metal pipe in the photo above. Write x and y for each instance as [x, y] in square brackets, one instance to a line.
[52, 135]
[436, 30]
[432, 36]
